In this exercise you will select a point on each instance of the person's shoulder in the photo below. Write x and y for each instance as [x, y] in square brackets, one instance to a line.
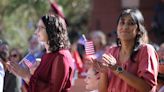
[112, 49]
[108, 48]
[64, 52]
[147, 48]
[61, 52]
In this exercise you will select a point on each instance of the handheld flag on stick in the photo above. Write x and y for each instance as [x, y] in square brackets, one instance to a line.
[29, 60]
[89, 47]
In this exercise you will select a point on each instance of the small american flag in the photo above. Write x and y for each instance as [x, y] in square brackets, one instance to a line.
[29, 60]
[89, 47]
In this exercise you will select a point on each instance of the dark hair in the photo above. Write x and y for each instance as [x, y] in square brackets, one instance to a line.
[161, 77]
[139, 20]
[56, 31]
[5, 53]
[18, 51]
[74, 36]
[3, 56]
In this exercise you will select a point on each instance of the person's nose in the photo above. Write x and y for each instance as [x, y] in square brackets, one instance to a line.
[125, 26]
[36, 31]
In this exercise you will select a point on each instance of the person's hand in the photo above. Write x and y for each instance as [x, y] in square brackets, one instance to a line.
[109, 59]
[34, 66]
[16, 69]
[99, 65]
[107, 62]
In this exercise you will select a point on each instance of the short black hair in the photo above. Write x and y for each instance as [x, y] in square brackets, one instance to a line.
[73, 36]
[3, 56]
[161, 77]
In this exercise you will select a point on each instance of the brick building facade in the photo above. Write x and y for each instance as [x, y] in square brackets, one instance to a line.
[105, 12]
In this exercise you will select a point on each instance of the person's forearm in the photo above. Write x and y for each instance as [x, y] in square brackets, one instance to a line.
[134, 81]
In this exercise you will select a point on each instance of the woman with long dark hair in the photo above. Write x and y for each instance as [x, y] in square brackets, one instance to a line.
[132, 65]
[55, 72]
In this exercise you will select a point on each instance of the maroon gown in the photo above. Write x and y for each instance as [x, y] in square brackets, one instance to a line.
[54, 74]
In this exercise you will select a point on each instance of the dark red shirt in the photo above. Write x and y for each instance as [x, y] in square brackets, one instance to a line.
[54, 74]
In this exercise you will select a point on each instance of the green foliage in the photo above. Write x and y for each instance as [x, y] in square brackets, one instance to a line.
[18, 17]
[77, 13]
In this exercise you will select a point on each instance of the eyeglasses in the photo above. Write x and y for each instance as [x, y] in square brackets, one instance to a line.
[38, 28]
[14, 55]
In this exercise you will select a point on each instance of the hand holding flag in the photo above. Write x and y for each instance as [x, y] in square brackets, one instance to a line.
[29, 60]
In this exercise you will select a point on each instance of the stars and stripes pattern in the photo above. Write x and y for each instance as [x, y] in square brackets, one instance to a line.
[29, 60]
[89, 48]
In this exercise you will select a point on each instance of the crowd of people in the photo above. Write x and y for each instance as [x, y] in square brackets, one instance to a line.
[131, 64]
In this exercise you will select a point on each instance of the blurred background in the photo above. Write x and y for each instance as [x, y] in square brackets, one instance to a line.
[18, 17]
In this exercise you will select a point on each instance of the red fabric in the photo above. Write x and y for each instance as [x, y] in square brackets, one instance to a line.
[56, 9]
[78, 61]
[54, 74]
[145, 67]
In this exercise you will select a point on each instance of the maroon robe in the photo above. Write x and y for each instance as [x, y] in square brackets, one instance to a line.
[54, 74]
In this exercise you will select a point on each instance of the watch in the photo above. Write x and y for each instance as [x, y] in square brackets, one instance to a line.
[119, 69]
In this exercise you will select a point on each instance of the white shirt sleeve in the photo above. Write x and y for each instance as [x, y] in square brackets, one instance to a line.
[2, 74]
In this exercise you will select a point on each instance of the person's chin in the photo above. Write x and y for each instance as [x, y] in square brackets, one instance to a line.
[42, 41]
[89, 88]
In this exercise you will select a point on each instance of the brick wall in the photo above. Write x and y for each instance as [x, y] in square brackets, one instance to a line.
[105, 12]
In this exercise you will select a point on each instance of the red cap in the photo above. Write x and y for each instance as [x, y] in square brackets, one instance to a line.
[55, 7]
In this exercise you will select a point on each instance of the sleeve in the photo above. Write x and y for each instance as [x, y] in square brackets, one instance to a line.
[148, 65]
[59, 75]
[2, 74]
[10, 83]
[55, 80]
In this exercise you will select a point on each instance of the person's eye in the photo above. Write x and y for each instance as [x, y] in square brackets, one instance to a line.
[121, 22]
[131, 23]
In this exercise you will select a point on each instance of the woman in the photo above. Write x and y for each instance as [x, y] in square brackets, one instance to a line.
[15, 55]
[136, 65]
[12, 83]
[55, 72]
